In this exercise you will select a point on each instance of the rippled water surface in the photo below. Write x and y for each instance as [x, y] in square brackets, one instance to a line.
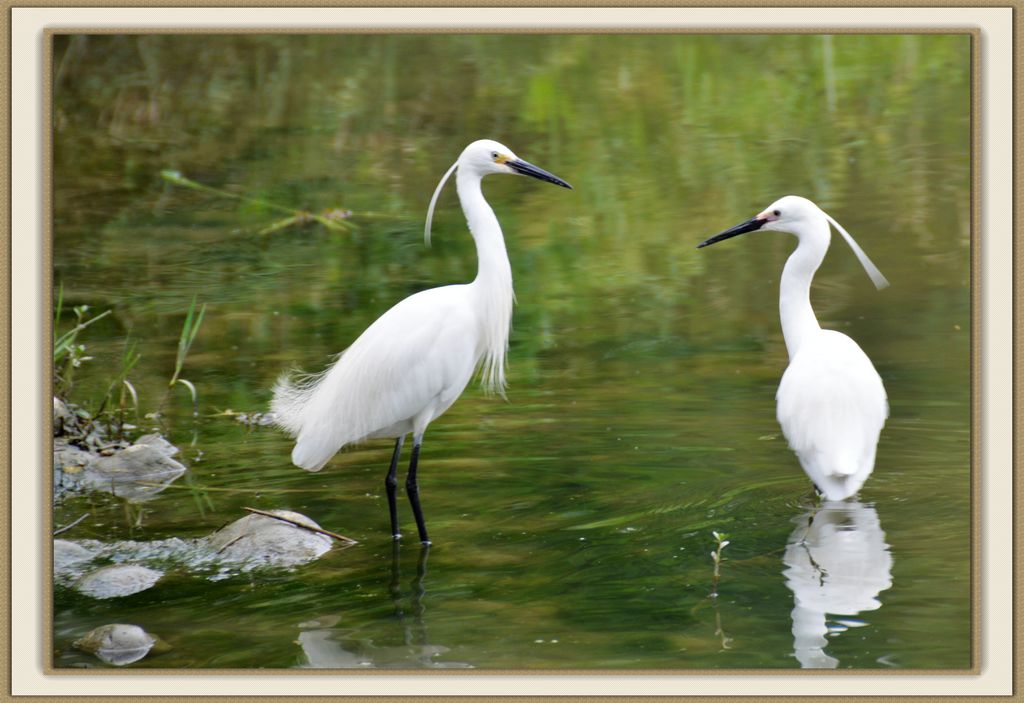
[573, 521]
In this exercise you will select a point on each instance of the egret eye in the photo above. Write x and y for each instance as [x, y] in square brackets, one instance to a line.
[494, 155]
[776, 213]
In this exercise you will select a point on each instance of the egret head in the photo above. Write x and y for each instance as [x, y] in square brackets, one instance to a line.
[484, 157]
[790, 213]
[801, 217]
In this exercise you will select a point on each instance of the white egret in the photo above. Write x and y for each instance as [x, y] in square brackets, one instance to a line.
[831, 403]
[414, 361]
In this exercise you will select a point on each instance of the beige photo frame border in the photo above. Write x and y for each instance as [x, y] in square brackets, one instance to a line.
[977, 273]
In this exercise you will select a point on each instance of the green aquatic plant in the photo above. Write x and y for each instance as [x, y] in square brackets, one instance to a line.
[721, 542]
[129, 358]
[334, 219]
[68, 353]
[189, 330]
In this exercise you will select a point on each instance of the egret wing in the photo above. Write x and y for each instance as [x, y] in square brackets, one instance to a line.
[831, 405]
[408, 360]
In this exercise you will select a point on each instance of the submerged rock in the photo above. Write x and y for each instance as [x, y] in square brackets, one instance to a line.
[66, 554]
[63, 418]
[137, 472]
[158, 443]
[252, 542]
[69, 457]
[258, 540]
[120, 644]
[93, 462]
[117, 581]
[87, 457]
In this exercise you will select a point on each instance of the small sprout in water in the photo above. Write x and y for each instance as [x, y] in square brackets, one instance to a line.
[721, 542]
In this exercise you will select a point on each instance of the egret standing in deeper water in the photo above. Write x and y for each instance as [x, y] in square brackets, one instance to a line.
[410, 365]
[831, 402]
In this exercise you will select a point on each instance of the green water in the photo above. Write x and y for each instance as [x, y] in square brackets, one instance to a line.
[572, 523]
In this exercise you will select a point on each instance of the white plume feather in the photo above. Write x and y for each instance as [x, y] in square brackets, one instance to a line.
[876, 276]
[433, 201]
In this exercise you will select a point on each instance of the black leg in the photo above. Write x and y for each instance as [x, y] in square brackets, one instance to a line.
[391, 486]
[413, 490]
[819, 494]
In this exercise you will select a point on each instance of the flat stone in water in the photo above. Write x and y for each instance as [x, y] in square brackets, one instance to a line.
[70, 458]
[258, 540]
[117, 581]
[158, 443]
[119, 644]
[251, 542]
[66, 554]
[130, 472]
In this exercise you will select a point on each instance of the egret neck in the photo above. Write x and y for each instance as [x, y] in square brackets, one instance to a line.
[798, 320]
[493, 282]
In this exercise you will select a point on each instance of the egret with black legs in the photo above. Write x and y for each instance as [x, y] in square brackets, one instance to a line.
[414, 361]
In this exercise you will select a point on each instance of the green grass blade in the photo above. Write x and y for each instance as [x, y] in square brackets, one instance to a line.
[67, 340]
[188, 384]
[189, 330]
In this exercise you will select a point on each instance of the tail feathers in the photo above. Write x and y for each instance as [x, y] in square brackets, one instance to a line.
[837, 486]
[845, 466]
[311, 456]
[291, 396]
[837, 477]
[291, 405]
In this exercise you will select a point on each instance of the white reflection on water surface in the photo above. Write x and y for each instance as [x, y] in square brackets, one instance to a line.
[837, 562]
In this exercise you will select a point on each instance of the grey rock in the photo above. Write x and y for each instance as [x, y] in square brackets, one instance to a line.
[158, 443]
[70, 464]
[119, 644]
[252, 542]
[135, 474]
[70, 458]
[258, 540]
[66, 554]
[117, 581]
[87, 458]
[62, 417]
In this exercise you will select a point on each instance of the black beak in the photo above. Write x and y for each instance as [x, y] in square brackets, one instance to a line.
[527, 169]
[751, 225]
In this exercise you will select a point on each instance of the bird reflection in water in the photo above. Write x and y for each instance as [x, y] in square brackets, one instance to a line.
[414, 631]
[837, 562]
[328, 645]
